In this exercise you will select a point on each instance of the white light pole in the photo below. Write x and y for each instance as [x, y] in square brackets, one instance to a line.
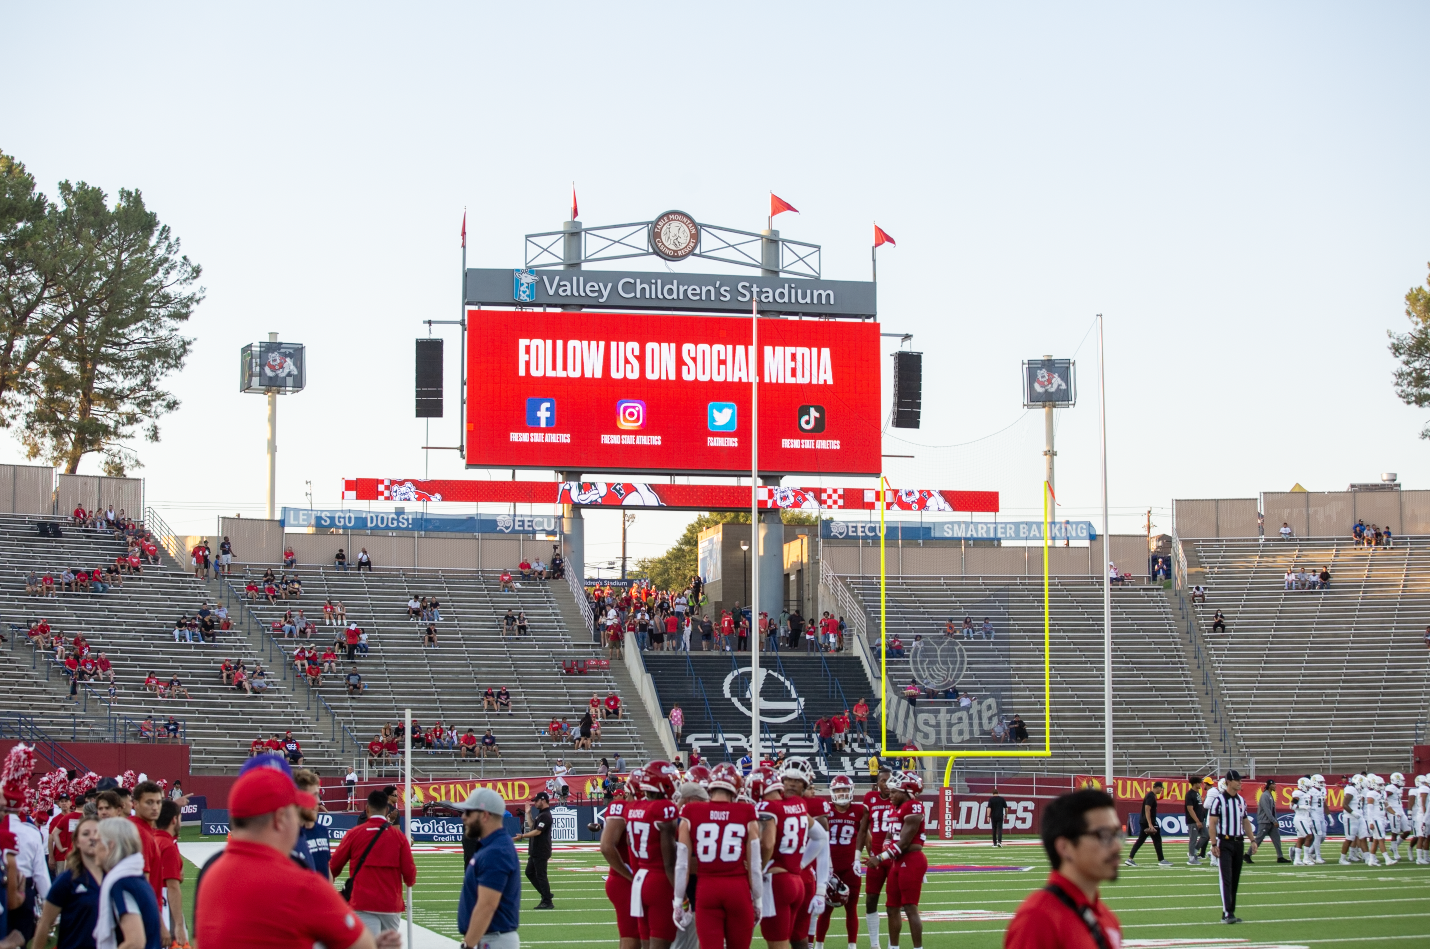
[1106, 573]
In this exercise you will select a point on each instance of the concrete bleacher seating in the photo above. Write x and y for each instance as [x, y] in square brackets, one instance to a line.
[1319, 680]
[1158, 727]
[133, 624]
[446, 683]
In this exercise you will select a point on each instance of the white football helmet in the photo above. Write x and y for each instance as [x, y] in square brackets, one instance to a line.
[1303, 783]
[1358, 780]
[800, 769]
[1421, 780]
[1397, 779]
[841, 789]
[1319, 780]
[1374, 780]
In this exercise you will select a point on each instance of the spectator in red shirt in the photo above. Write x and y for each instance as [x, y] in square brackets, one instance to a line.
[506, 586]
[377, 879]
[554, 730]
[525, 568]
[299, 907]
[613, 706]
[1083, 838]
[469, 744]
[257, 747]
[351, 636]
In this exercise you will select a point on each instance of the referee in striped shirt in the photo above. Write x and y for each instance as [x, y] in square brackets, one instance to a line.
[1233, 839]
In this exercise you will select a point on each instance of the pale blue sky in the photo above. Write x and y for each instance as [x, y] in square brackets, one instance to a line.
[1240, 189]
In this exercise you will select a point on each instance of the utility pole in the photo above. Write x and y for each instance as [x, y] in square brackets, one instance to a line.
[272, 442]
[627, 520]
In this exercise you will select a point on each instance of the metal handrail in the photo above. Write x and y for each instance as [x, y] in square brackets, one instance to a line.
[710, 715]
[49, 749]
[168, 539]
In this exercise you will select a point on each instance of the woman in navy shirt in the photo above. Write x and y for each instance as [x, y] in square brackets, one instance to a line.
[128, 913]
[74, 895]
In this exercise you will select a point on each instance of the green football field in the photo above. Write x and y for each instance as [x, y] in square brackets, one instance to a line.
[968, 909]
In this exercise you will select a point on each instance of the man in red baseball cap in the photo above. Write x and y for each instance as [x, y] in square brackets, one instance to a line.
[299, 907]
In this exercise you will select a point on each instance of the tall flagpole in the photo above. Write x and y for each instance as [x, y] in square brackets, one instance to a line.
[1106, 573]
[755, 529]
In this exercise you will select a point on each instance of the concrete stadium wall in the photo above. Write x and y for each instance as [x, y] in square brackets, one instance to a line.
[98, 493]
[1307, 513]
[113, 759]
[952, 559]
[27, 489]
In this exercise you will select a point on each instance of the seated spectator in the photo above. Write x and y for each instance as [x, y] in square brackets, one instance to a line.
[896, 648]
[136, 565]
[522, 629]
[206, 629]
[67, 580]
[434, 609]
[146, 729]
[105, 667]
[47, 584]
[596, 734]
[174, 688]
[968, 627]
[290, 559]
[152, 684]
[1018, 730]
[468, 744]
[375, 750]
[1325, 578]
[414, 607]
[292, 588]
[490, 748]
[78, 517]
[340, 560]
[553, 730]
[362, 642]
[250, 589]
[270, 591]
[525, 568]
[598, 710]
[1199, 594]
[1000, 732]
[226, 671]
[257, 747]
[429, 637]
[1218, 622]
[539, 569]
[314, 672]
[329, 613]
[1389, 540]
[240, 680]
[506, 584]
[354, 683]
[392, 746]
[32, 584]
[171, 729]
[504, 699]
[112, 576]
[259, 681]
[1286, 531]
[613, 705]
[329, 660]
[340, 611]
[1289, 579]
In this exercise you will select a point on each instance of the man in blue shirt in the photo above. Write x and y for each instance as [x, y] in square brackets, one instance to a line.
[489, 908]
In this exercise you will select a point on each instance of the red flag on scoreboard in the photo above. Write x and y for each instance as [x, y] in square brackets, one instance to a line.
[880, 237]
[779, 205]
[575, 212]
[464, 228]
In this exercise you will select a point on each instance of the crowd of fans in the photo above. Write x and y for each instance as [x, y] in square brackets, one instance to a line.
[238, 675]
[1372, 535]
[204, 626]
[664, 620]
[1303, 579]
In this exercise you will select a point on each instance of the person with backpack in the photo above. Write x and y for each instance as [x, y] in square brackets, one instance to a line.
[381, 864]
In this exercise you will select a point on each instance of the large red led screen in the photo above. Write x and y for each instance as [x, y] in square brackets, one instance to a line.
[581, 391]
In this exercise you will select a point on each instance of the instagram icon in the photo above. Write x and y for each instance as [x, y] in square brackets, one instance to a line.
[630, 413]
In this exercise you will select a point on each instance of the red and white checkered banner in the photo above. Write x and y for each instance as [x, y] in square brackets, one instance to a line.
[694, 497]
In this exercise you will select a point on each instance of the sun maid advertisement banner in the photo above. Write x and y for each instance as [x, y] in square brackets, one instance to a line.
[513, 790]
[636, 392]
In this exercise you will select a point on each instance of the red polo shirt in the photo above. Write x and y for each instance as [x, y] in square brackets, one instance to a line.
[253, 895]
[171, 864]
[1043, 922]
[378, 888]
[152, 871]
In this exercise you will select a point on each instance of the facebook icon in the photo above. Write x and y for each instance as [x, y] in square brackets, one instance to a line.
[540, 413]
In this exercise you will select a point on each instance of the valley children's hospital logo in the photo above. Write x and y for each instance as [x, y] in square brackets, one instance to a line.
[523, 286]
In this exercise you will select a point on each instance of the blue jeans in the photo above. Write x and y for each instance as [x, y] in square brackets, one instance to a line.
[98, 587]
[641, 640]
[341, 564]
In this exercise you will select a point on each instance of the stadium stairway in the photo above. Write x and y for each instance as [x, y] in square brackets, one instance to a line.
[446, 683]
[1158, 726]
[712, 690]
[1320, 680]
[133, 625]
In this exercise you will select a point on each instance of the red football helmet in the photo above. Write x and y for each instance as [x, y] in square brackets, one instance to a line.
[630, 788]
[659, 777]
[699, 774]
[726, 777]
[911, 784]
[761, 781]
[837, 893]
[841, 789]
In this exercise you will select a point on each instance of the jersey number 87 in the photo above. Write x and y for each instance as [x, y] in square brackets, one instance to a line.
[792, 834]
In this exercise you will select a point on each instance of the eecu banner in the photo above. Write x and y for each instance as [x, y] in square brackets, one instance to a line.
[964, 814]
[956, 530]
[301, 518]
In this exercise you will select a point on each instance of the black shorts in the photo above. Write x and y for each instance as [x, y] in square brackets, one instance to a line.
[657, 638]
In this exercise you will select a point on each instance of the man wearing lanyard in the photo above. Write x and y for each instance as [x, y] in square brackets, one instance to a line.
[1229, 826]
[488, 912]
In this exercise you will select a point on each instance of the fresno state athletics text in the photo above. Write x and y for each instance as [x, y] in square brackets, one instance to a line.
[699, 362]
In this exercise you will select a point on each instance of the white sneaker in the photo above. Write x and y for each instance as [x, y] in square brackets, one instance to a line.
[1370, 860]
[1391, 861]
[1319, 860]
[1345, 861]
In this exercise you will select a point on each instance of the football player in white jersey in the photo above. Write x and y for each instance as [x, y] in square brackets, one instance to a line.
[1373, 808]
[1420, 817]
[1396, 826]
[1211, 796]
[1318, 815]
[1301, 818]
[1351, 821]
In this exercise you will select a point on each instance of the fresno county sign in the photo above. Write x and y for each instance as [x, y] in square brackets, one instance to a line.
[640, 290]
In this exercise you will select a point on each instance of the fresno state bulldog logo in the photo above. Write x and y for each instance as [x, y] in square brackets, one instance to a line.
[793, 499]
[280, 365]
[407, 491]
[1048, 381]
[916, 499]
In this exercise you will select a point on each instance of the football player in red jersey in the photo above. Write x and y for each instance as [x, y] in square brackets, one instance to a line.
[904, 852]
[650, 826]
[797, 776]
[784, 832]
[846, 830]
[724, 836]
[877, 812]
[615, 847]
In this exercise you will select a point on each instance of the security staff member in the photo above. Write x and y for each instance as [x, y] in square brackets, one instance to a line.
[1229, 826]
[489, 909]
[538, 854]
[1150, 828]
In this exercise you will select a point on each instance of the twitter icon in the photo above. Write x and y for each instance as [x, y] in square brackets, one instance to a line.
[721, 416]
